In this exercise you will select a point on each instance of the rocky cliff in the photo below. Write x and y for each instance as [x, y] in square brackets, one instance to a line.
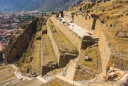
[20, 40]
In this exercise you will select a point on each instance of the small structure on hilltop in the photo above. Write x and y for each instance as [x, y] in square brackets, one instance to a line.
[61, 14]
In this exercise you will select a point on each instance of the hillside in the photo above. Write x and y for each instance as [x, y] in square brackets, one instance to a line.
[83, 46]
[19, 5]
[26, 5]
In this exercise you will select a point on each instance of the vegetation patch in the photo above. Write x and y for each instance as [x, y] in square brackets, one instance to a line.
[49, 55]
[25, 18]
[93, 55]
[7, 77]
[63, 42]
[37, 54]
[55, 84]
[25, 56]
[31, 57]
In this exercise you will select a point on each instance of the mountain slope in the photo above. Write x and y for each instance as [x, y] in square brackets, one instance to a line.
[19, 5]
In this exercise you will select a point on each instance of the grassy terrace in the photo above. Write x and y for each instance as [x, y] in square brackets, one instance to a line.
[55, 84]
[48, 52]
[63, 43]
[6, 73]
[92, 53]
[37, 54]
[34, 82]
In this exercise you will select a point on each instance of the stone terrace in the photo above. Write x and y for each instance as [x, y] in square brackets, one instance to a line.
[63, 47]
[6, 73]
[81, 32]
[80, 37]
[49, 61]
[63, 42]
[34, 82]
[8, 78]
[61, 81]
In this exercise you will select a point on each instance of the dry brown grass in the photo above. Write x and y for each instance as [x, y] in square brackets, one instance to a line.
[63, 42]
[37, 54]
[7, 77]
[6, 72]
[117, 14]
[48, 50]
[55, 84]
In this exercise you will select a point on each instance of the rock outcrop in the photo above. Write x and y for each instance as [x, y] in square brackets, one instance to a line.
[20, 40]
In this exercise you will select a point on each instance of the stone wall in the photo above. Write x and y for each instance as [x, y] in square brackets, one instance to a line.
[80, 43]
[104, 48]
[57, 82]
[55, 47]
[83, 21]
[73, 37]
[70, 70]
[108, 56]
[84, 74]
[97, 27]
[51, 63]
[119, 62]
[68, 16]
[62, 57]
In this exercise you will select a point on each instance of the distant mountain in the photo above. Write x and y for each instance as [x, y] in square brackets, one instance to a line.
[19, 5]
[27, 5]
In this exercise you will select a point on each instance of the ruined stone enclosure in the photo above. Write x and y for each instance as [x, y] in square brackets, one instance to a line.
[78, 47]
[67, 42]
[106, 21]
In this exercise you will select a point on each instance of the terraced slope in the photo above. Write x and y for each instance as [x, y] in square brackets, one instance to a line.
[6, 72]
[34, 82]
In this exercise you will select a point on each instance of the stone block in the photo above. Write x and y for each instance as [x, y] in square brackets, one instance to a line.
[121, 67]
[112, 57]
[125, 60]
[125, 64]
[121, 63]
[111, 60]
[117, 61]
[120, 59]
[126, 68]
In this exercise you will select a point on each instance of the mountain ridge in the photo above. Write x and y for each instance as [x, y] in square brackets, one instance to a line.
[28, 5]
